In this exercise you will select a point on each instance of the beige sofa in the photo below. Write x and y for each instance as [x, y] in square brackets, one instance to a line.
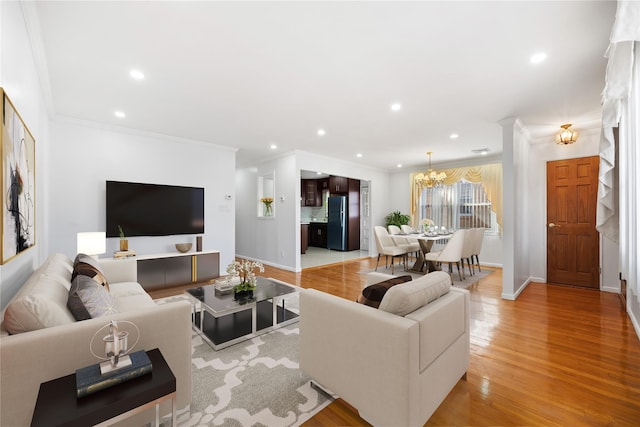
[54, 344]
[395, 370]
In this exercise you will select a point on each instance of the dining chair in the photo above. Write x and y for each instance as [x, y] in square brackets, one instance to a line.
[467, 249]
[407, 229]
[394, 229]
[387, 247]
[477, 245]
[400, 239]
[451, 253]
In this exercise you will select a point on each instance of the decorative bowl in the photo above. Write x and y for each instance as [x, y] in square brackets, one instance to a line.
[183, 247]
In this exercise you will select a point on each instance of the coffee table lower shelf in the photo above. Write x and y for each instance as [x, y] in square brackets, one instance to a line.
[229, 329]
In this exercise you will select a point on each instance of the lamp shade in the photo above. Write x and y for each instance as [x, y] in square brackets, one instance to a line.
[92, 243]
[567, 135]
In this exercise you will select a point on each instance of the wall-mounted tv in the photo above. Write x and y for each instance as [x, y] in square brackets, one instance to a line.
[154, 210]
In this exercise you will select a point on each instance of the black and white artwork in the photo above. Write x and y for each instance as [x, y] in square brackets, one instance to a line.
[18, 183]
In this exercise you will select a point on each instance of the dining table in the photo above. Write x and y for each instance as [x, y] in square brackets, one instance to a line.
[426, 241]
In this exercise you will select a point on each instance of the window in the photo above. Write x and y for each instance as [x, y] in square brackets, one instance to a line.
[460, 205]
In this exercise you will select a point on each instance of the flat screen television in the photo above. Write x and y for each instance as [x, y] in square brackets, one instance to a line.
[153, 210]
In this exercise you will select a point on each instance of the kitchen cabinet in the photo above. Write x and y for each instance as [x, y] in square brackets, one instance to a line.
[323, 184]
[304, 238]
[310, 194]
[353, 228]
[318, 234]
[338, 184]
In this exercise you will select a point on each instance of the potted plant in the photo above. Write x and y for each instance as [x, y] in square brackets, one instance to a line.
[124, 243]
[397, 218]
[244, 270]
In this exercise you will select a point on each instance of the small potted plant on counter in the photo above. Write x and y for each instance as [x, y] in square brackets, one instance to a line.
[124, 243]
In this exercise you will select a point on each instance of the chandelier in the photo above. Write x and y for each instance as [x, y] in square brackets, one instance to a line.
[431, 178]
[567, 136]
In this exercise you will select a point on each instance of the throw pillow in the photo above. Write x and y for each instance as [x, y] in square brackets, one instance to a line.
[84, 265]
[88, 299]
[402, 300]
[372, 295]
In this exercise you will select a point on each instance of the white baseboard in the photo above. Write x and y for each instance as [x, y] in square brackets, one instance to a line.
[270, 264]
[514, 296]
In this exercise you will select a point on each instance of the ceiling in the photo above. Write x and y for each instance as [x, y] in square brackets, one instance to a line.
[252, 74]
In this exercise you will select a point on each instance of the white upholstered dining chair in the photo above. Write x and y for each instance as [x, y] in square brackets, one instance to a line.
[451, 253]
[478, 238]
[387, 247]
[467, 249]
[400, 239]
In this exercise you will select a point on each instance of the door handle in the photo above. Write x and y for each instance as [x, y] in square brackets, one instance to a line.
[552, 225]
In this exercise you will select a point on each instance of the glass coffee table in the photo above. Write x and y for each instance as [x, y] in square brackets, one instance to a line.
[222, 320]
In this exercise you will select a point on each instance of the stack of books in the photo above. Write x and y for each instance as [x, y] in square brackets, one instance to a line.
[124, 254]
[89, 380]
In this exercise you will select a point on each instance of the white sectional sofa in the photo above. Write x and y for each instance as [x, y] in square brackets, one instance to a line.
[46, 342]
[394, 369]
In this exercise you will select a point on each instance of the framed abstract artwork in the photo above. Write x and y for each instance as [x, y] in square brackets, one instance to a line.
[18, 181]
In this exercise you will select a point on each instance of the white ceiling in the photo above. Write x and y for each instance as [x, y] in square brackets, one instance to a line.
[248, 74]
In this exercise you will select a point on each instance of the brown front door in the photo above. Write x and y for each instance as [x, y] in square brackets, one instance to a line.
[573, 254]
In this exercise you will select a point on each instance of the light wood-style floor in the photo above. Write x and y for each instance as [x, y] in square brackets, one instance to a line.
[557, 356]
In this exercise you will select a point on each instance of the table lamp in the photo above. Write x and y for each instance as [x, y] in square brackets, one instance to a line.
[92, 243]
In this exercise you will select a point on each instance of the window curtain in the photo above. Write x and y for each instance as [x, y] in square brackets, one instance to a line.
[618, 202]
[618, 85]
[489, 175]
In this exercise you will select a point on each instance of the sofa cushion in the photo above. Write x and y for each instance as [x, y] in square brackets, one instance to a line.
[84, 265]
[373, 294]
[40, 303]
[408, 297]
[129, 296]
[88, 299]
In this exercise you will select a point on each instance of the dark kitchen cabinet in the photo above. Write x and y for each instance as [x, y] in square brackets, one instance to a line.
[304, 237]
[323, 184]
[310, 194]
[338, 185]
[318, 234]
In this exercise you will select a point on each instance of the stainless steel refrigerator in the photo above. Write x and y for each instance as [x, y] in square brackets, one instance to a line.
[337, 223]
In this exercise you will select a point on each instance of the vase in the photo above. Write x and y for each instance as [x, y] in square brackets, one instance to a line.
[267, 210]
[124, 245]
[242, 295]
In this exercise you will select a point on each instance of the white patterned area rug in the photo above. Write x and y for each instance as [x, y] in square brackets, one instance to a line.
[252, 383]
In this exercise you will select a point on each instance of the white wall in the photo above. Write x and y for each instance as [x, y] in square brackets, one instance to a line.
[20, 81]
[267, 239]
[515, 271]
[84, 155]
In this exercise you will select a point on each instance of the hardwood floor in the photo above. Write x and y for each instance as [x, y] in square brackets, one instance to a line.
[557, 356]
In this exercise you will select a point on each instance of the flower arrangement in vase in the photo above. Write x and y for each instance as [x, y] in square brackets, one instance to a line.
[267, 205]
[244, 270]
[428, 225]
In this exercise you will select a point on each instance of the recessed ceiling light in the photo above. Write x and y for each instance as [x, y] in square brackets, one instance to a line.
[321, 132]
[359, 155]
[273, 146]
[137, 74]
[396, 107]
[482, 151]
[537, 58]
[119, 114]
[318, 173]
[399, 165]
[454, 136]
